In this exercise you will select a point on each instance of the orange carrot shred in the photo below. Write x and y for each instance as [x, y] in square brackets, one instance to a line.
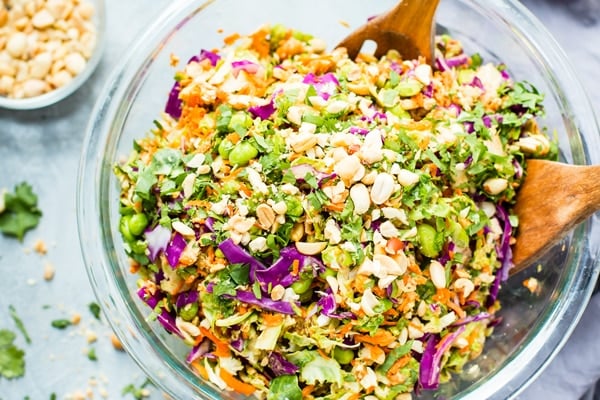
[236, 384]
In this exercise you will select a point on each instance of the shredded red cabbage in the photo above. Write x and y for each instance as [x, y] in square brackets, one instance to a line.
[185, 298]
[237, 255]
[487, 121]
[174, 249]
[325, 85]
[244, 65]
[174, 105]
[158, 239]
[457, 61]
[263, 112]
[456, 108]
[429, 368]
[282, 307]
[472, 318]
[301, 170]
[198, 351]
[280, 366]
[440, 64]
[328, 307]
[209, 224]
[357, 130]
[168, 322]
[209, 55]
[148, 298]
[237, 344]
[279, 272]
[505, 251]
[476, 82]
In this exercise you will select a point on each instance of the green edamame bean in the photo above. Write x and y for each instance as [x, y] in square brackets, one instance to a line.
[242, 153]
[327, 273]
[430, 245]
[137, 223]
[189, 311]
[343, 356]
[124, 228]
[225, 148]
[301, 286]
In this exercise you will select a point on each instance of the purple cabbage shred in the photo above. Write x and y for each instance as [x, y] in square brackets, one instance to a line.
[279, 365]
[174, 249]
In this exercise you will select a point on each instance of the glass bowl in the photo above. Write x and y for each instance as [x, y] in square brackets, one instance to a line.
[98, 19]
[534, 325]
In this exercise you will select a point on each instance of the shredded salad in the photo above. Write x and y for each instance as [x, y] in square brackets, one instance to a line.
[320, 227]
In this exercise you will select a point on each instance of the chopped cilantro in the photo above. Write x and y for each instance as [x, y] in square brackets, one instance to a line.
[19, 323]
[12, 359]
[61, 323]
[20, 212]
[95, 310]
[137, 392]
[91, 354]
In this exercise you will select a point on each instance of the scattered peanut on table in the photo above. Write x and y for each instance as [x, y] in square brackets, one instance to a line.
[44, 44]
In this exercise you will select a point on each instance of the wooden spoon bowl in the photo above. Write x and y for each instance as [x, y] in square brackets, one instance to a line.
[407, 28]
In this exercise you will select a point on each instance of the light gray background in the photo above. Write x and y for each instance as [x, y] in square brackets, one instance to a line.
[42, 147]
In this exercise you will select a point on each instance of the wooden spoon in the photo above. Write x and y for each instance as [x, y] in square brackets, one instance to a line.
[407, 28]
[553, 199]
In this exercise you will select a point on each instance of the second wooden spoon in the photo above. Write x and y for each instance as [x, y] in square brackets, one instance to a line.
[553, 199]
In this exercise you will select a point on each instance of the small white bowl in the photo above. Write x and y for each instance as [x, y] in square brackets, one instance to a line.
[56, 95]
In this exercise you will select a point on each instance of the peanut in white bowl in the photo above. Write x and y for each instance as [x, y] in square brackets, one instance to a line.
[51, 49]
[535, 323]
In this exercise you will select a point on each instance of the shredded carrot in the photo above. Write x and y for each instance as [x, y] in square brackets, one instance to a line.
[231, 38]
[456, 308]
[272, 319]
[354, 396]
[378, 291]
[210, 253]
[381, 338]
[260, 43]
[376, 352]
[134, 266]
[336, 207]
[344, 329]
[323, 354]
[398, 365]
[414, 268]
[295, 267]
[307, 390]
[234, 383]
[233, 137]
[222, 347]
[245, 189]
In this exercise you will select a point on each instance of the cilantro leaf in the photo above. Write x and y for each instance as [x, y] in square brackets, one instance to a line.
[12, 359]
[61, 323]
[138, 393]
[19, 323]
[91, 354]
[95, 310]
[20, 212]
